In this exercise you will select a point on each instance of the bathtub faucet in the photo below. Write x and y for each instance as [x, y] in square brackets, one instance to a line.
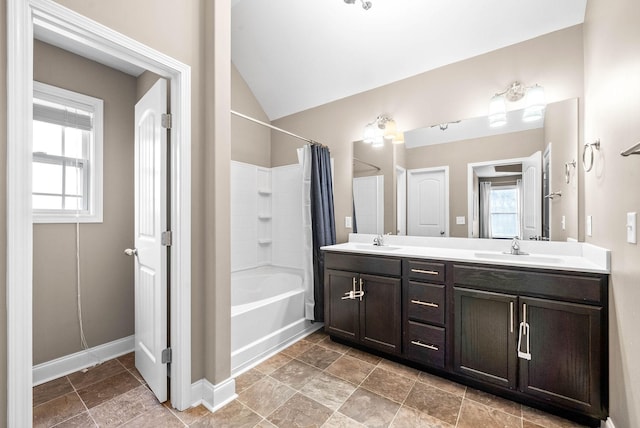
[378, 241]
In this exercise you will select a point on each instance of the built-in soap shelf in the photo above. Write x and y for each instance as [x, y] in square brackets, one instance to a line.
[264, 192]
[264, 217]
[264, 242]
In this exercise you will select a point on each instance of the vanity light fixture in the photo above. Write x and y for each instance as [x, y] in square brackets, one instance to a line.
[534, 103]
[366, 5]
[381, 129]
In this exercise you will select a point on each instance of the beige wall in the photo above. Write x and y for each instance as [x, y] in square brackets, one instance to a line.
[457, 91]
[106, 273]
[3, 216]
[250, 142]
[458, 154]
[612, 103]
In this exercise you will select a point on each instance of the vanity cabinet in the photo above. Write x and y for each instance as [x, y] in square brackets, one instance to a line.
[362, 300]
[542, 334]
[536, 336]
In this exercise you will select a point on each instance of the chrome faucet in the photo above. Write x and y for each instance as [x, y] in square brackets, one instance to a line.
[515, 246]
[378, 241]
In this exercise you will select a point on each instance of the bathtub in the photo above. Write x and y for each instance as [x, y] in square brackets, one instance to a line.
[267, 314]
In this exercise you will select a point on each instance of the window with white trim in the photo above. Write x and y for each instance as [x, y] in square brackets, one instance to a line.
[504, 211]
[67, 156]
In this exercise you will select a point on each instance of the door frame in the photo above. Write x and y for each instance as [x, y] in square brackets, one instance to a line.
[22, 17]
[471, 201]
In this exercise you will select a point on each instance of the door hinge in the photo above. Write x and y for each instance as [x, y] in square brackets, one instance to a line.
[166, 121]
[166, 238]
[166, 356]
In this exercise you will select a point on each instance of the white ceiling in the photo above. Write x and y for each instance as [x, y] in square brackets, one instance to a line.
[298, 54]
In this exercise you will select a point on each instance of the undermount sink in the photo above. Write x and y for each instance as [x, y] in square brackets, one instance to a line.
[519, 257]
[371, 247]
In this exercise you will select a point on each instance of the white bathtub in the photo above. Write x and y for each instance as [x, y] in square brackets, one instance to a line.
[267, 313]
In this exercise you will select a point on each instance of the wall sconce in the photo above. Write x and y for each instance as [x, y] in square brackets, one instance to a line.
[381, 129]
[534, 103]
[366, 5]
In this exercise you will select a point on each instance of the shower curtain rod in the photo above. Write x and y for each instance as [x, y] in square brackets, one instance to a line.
[367, 163]
[268, 125]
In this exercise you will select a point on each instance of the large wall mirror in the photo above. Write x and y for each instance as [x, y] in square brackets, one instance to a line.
[466, 179]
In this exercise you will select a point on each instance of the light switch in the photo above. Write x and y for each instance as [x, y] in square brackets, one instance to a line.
[348, 223]
[460, 220]
[589, 226]
[564, 223]
[632, 219]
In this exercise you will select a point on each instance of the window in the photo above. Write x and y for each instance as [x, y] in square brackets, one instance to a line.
[504, 212]
[67, 156]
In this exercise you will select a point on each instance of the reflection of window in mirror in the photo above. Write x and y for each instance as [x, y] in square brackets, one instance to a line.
[67, 156]
[504, 211]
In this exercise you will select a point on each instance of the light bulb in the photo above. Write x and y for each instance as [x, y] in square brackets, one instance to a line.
[497, 111]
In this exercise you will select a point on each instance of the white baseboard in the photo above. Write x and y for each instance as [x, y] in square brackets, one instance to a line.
[68, 364]
[213, 396]
[607, 424]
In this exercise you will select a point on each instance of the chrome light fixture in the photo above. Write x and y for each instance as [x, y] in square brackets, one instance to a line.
[366, 5]
[382, 129]
[534, 103]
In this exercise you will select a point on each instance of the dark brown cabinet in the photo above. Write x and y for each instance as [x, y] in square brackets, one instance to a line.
[361, 306]
[485, 336]
[565, 344]
[536, 336]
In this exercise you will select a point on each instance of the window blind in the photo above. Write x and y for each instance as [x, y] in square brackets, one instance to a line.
[63, 116]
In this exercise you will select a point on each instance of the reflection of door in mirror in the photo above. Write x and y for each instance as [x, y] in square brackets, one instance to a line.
[368, 202]
[401, 200]
[428, 202]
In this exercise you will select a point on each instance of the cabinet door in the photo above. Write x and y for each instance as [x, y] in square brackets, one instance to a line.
[565, 347]
[380, 313]
[485, 336]
[341, 315]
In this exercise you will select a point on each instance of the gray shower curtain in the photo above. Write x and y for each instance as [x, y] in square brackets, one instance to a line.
[322, 220]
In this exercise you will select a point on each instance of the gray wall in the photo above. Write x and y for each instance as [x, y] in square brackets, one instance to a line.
[106, 273]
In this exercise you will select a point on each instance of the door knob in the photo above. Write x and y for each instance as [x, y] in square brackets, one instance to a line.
[130, 252]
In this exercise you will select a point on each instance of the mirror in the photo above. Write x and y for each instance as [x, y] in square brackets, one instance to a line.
[431, 185]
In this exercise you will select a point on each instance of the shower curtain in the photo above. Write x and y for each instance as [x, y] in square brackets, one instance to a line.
[317, 167]
[485, 209]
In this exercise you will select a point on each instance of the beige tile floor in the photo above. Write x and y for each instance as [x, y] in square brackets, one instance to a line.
[313, 383]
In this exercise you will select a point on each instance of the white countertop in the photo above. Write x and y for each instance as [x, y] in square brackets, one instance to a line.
[566, 256]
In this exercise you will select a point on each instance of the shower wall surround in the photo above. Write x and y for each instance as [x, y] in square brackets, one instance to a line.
[266, 216]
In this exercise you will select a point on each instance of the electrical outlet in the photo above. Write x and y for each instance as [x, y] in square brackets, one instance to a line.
[348, 223]
[589, 226]
[460, 220]
[564, 223]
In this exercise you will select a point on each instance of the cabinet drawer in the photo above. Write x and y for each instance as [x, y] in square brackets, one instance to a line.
[425, 302]
[375, 265]
[426, 271]
[425, 344]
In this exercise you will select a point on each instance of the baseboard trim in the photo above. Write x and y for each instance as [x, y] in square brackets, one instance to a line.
[608, 424]
[68, 364]
[213, 396]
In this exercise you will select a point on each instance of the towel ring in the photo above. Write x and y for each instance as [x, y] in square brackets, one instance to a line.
[567, 171]
[588, 148]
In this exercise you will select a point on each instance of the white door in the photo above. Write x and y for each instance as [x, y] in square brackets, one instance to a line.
[150, 222]
[428, 202]
[532, 196]
[368, 201]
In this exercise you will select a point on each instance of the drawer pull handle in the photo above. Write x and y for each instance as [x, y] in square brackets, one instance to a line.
[424, 345]
[428, 272]
[420, 302]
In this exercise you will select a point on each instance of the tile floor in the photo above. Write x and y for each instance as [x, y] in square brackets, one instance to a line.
[313, 383]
